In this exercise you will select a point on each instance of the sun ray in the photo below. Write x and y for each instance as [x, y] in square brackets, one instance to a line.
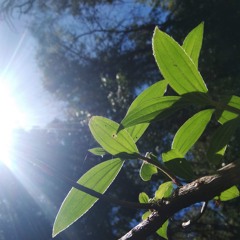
[11, 118]
[18, 47]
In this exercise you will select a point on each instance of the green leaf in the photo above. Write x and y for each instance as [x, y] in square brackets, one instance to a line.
[193, 43]
[164, 190]
[156, 90]
[170, 155]
[153, 109]
[146, 215]
[176, 163]
[220, 140]
[105, 133]
[143, 197]
[77, 202]
[224, 116]
[198, 98]
[147, 170]
[137, 131]
[175, 65]
[229, 194]
[191, 130]
[97, 151]
[181, 168]
[162, 232]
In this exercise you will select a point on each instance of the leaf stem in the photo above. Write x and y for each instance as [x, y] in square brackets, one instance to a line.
[163, 169]
[222, 106]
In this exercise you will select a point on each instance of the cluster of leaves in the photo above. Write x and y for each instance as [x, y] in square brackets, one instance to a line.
[179, 67]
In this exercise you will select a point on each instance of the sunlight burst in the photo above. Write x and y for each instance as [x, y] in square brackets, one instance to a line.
[10, 118]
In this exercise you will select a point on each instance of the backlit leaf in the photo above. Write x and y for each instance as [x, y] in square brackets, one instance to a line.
[170, 155]
[156, 90]
[164, 190]
[233, 101]
[143, 197]
[147, 170]
[105, 133]
[175, 65]
[137, 131]
[191, 130]
[220, 140]
[229, 194]
[193, 43]
[146, 215]
[77, 202]
[162, 231]
[97, 151]
[154, 109]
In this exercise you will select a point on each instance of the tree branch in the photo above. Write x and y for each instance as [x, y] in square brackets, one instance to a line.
[200, 190]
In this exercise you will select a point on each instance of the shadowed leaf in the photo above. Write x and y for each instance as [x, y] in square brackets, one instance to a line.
[224, 116]
[220, 140]
[181, 168]
[176, 162]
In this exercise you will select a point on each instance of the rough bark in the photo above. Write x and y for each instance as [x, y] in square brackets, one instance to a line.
[200, 190]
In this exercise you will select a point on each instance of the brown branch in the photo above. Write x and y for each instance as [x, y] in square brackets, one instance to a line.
[200, 190]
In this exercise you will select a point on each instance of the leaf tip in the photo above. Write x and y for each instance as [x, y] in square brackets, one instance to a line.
[57, 227]
[54, 232]
[155, 30]
[201, 26]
